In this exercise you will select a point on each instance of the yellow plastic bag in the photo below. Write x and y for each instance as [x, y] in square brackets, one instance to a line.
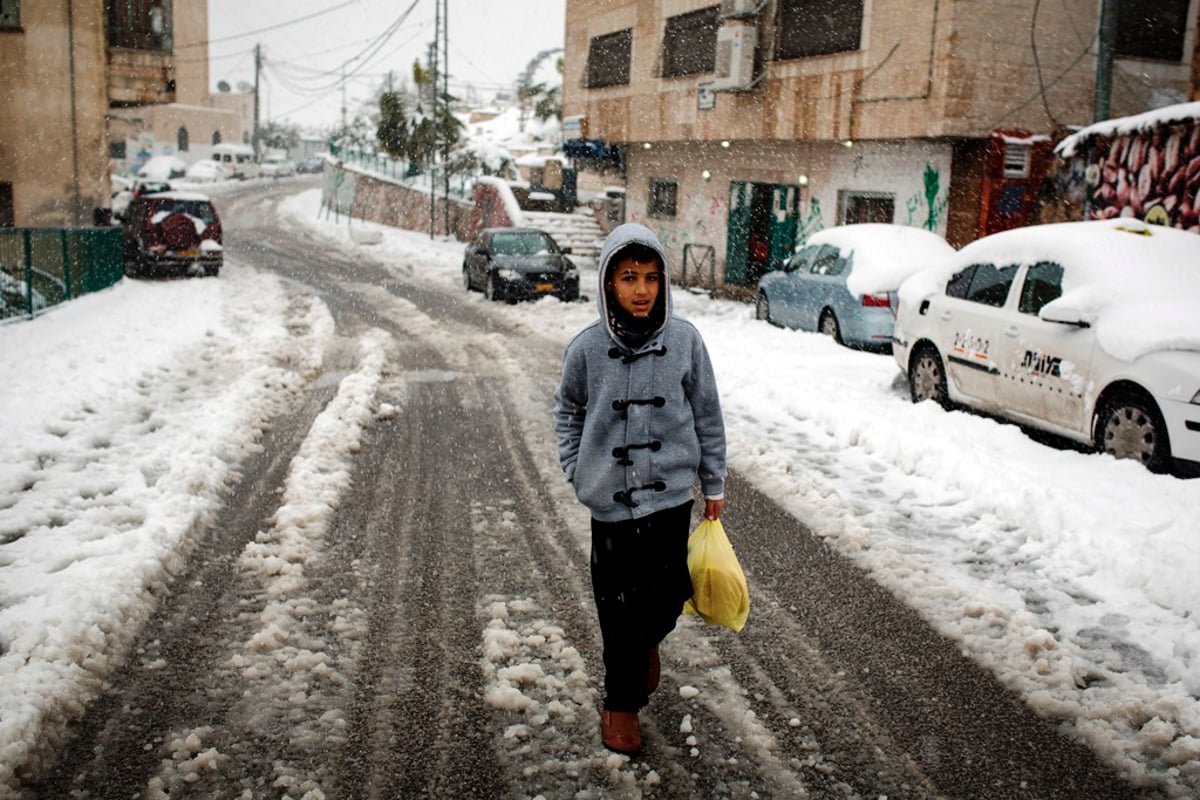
[720, 595]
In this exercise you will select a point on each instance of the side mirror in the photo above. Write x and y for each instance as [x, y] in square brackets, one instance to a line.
[566, 251]
[1063, 314]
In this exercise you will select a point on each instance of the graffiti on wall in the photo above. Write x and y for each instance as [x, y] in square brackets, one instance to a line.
[1154, 176]
[810, 224]
[934, 201]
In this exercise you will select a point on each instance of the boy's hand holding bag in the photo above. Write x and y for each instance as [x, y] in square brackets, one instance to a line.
[720, 595]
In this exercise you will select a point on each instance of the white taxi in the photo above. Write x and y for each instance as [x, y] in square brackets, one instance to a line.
[1088, 330]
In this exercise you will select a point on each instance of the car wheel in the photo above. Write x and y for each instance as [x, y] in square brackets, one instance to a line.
[466, 279]
[489, 289]
[762, 307]
[927, 377]
[828, 325]
[1129, 426]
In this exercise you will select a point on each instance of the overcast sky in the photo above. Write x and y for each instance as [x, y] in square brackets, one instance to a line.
[307, 44]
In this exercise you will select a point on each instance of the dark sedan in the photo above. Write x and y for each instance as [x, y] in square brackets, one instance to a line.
[519, 264]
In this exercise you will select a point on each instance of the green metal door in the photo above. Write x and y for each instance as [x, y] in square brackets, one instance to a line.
[785, 216]
[737, 232]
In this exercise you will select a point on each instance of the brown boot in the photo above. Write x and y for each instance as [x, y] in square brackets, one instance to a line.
[654, 672]
[620, 732]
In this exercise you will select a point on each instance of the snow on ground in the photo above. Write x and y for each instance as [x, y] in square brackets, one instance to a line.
[1071, 575]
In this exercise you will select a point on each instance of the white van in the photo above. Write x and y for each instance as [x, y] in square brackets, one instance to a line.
[237, 159]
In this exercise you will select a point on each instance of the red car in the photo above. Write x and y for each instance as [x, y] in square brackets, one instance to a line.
[173, 233]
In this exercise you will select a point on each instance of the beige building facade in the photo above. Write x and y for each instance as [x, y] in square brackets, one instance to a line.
[740, 127]
[89, 88]
[53, 101]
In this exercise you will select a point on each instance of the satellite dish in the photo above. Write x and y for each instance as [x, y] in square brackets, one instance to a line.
[244, 87]
[222, 86]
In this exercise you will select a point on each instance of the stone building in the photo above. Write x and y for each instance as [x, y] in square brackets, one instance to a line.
[740, 127]
[84, 83]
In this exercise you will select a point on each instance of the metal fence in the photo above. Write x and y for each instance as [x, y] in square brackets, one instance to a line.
[41, 267]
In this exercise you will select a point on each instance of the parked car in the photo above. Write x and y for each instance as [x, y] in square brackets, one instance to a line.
[519, 263]
[312, 164]
[843, 281]
[1088, 330]
[162, 168]
[173, 233]
[133, 188]
[206, 171]
[277, 165]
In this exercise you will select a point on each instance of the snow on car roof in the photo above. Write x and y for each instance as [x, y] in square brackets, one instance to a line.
[884, 254]
[1137, 284]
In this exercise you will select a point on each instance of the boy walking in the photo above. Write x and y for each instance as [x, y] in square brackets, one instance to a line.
[639, 423]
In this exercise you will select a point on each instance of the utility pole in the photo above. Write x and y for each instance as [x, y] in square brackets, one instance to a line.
[446, 102]
[1101, 109]
[257, 71]
[433, 87]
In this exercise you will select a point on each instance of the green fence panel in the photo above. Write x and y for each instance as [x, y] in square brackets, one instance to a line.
[41, 267]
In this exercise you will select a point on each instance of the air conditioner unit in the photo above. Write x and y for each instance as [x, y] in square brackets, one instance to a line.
[740, 8]
[735, 58]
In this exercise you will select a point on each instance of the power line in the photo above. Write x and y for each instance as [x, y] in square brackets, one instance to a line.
[275, 27]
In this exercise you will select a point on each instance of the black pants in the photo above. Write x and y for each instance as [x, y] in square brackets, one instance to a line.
[640, 581]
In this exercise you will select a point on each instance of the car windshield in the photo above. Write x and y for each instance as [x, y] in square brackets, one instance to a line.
[193, 208]
[522, 244]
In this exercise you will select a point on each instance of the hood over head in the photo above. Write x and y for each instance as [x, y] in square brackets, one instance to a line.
[619, 324]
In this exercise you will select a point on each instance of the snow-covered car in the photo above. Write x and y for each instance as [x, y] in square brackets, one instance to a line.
[312, 164]
[276, 165]
[1087, 330]
[163, 168]
[206, 171]
[519, 263]
[843, 281]
[173, 232]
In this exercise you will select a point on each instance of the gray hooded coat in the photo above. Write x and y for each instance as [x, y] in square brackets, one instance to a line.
[637, 426]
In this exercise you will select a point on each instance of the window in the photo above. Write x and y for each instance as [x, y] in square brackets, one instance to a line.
[10, 14]
[990, 285]
[608, 59]
[117, 150]
[1157, 36]
[858, 207]
[662, 197]
[690, 43]
[827, 262]
[8, 217]
[817, 27]
[139, 24]
[958, 284]
[181, 139]
[1016, 160]
[1043, 283]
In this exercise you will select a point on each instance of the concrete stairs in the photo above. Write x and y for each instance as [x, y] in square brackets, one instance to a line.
[581, 232]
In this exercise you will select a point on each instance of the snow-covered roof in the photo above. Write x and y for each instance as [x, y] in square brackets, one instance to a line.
[1138, 123]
